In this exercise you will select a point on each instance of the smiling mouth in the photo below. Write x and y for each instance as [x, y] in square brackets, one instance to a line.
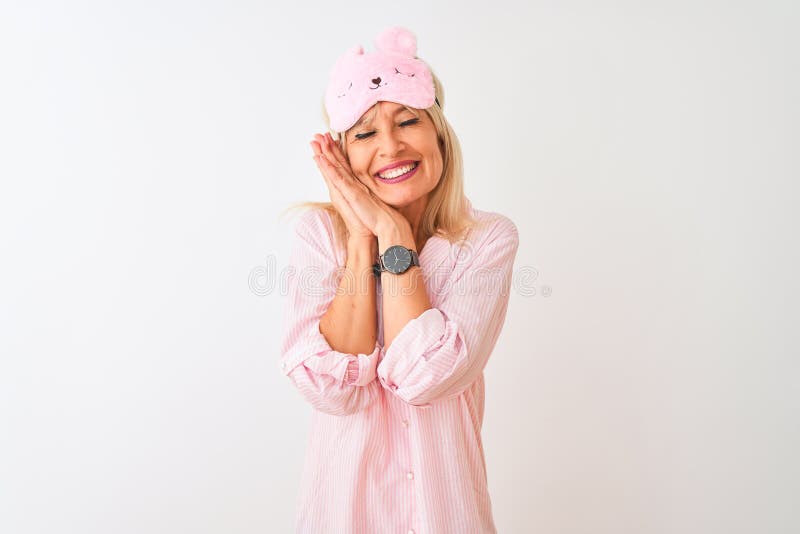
[399, 178]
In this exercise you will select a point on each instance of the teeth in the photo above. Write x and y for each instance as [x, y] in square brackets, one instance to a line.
[394, 173]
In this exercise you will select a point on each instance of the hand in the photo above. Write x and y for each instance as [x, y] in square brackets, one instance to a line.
[330, 174]
[365, 211]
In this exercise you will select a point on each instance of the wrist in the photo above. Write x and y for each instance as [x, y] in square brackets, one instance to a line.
[395, 236]
[390, 227]
[366, 247]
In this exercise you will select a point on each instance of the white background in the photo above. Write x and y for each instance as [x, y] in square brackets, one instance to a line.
[648, 153]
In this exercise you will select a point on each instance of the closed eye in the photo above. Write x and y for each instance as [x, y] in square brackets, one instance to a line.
[404, 123]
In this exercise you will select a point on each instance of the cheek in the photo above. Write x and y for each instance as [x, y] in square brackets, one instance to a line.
[436, 154]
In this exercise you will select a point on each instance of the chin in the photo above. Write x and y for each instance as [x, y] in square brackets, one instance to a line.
[401, 202]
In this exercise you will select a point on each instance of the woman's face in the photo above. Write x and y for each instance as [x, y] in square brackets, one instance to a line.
[395, 135]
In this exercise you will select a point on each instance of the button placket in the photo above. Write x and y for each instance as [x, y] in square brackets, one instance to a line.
[405, 421]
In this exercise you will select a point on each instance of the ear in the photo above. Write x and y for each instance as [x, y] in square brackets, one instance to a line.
[397, 40]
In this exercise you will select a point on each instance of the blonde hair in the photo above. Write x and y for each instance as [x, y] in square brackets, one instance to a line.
[447, 213]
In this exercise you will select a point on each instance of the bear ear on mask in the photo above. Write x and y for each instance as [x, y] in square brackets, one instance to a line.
[392, 73]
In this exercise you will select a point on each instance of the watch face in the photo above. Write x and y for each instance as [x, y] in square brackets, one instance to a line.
[397, 259]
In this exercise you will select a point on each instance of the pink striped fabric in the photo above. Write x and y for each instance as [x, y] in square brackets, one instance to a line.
[395, 440]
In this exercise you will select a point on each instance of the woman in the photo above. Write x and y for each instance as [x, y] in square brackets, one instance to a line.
[397, 295]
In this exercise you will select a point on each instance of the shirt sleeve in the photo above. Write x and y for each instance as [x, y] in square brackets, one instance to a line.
[333, 382]
[440, 353]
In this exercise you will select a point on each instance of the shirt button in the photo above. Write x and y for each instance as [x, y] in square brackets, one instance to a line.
[405, 423]
[410, 475]
[411, 531]
[393, 386]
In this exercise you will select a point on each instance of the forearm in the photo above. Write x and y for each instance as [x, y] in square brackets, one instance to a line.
[404, 296]
[350, 323]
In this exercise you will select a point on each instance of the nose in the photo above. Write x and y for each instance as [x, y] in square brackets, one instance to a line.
[390, 144]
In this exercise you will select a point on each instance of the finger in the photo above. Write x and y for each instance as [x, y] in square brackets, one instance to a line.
[350, 188]
[333, 191]
[341, 203]
[336, 195]
[338, 154]
[327, 156]
[339, 162]
[346, 175]
[346, 188]
[334, 155]
[338, 188]
[316, 144]
[328, 169]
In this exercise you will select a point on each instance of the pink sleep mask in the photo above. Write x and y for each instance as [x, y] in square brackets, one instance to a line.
[391, 73]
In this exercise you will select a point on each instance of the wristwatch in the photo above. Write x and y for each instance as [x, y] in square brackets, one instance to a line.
[396, 259]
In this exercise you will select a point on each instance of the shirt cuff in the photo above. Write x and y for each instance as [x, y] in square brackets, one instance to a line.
[318, 356]
[362, 368]
[418, 338]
